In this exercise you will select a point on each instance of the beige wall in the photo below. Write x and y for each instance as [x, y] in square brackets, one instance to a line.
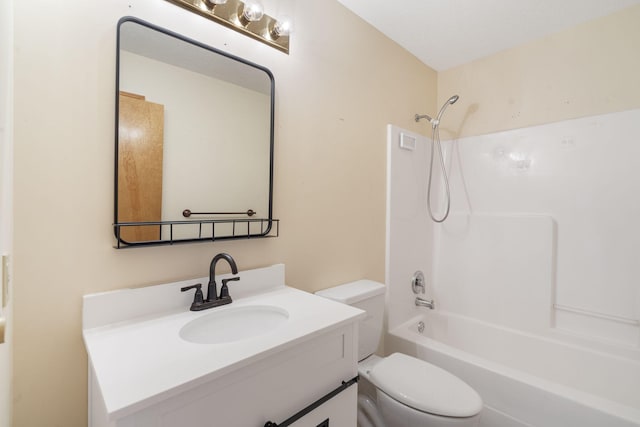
[6, 182]
[590, 69]
[341, 85]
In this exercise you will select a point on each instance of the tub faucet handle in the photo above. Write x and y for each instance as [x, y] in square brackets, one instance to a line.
[417, 282]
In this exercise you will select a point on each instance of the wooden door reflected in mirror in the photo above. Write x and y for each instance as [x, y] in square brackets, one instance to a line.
[140, 152]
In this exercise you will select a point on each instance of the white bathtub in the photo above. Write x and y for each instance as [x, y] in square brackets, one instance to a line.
[529, 380]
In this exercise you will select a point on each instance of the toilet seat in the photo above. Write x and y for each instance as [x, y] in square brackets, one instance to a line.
[425, 387]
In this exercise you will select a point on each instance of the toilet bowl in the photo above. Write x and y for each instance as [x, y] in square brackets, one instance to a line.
[400, 390]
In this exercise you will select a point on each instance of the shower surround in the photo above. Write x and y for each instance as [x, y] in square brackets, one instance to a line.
[542, 242]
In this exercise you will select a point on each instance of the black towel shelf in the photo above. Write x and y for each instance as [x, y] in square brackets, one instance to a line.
[169, 232]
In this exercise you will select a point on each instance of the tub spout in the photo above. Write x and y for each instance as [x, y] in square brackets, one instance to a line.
[421, 302]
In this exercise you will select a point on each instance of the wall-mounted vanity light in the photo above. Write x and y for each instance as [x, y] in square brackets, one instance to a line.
[246, 17]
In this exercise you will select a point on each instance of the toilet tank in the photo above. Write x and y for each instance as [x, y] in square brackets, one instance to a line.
[366, 295]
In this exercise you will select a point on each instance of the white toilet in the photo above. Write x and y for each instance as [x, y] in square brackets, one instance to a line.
[400, 390]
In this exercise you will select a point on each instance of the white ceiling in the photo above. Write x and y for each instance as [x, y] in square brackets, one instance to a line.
[447, 33]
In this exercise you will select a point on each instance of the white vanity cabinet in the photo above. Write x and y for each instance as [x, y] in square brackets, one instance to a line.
[140, 379]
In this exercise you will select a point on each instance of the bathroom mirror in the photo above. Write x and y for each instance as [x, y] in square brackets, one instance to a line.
[194, 140]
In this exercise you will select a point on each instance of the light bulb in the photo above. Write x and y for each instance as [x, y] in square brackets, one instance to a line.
[283, 27]
[251, 12]
[210, 4]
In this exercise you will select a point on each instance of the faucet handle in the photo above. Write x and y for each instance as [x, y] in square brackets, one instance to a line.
[224, 290]
[418, 282]
[198, 298]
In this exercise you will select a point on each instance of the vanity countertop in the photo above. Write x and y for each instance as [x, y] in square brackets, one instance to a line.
[139, 361]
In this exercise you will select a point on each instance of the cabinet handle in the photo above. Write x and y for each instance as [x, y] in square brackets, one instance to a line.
[314, 405]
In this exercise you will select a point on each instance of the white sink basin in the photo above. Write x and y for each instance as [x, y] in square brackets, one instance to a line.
[233, 324]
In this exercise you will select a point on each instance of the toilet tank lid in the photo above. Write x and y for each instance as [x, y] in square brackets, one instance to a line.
[353, 292]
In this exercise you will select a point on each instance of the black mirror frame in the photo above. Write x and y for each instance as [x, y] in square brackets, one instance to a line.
[266, 224]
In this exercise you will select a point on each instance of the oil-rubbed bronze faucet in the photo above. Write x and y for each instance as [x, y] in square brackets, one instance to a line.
[213, 300]
[211, 288]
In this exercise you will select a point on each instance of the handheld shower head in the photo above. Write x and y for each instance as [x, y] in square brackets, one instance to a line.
[435, 125]
[435, 122]
[450, 101]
